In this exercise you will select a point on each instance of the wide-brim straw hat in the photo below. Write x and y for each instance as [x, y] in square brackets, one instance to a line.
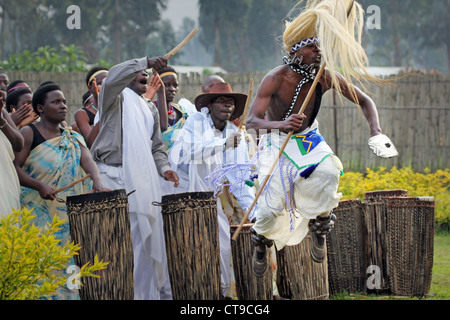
[222, 90]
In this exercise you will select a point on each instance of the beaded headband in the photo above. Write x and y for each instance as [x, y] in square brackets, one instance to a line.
[303, 43]
[87, 99]
[17, 87]
[166, 74]
[96, 74]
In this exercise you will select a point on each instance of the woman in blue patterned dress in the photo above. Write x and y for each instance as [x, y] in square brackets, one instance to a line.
[52, 158]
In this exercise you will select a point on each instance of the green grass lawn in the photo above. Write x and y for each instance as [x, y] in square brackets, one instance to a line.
[440, 282]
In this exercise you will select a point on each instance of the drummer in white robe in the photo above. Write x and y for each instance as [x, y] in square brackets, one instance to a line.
[129, 153]
[208, 140]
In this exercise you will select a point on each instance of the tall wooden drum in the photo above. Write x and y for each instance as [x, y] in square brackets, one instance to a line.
[347, 249]
[376, 217]
[100, 224]
[410, 244]
[192, 243]
[298, 276]
[249, 286]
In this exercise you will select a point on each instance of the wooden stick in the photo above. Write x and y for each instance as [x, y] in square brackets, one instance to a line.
[71, 184]
[247, 103]
[302, 109]
[182, 44]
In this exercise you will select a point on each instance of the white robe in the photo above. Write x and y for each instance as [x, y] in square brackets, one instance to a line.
[9, 184]
[198, 151]
[138, 173]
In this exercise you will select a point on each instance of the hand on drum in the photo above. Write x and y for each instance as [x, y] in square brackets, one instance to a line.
[99, 187]
[171, 175]
[99, 190]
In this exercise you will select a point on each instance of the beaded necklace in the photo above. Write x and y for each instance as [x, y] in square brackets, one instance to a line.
[305, 71]
[171, 111]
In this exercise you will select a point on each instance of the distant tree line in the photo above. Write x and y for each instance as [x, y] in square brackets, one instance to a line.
[111, 30]
[238, 35]
[413, 33]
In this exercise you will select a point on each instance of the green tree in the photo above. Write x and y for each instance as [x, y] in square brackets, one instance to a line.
[194, 53]
[224, 25]
[435, 32]
[157, 45]
[413, 33]
[110, 29]
[68, 58]
[244, 34]
[24, 23]
[265, 32]
[128, 24]
[73, 58]
[87, 38]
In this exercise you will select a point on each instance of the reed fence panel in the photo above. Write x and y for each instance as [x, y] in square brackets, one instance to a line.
[414, 112]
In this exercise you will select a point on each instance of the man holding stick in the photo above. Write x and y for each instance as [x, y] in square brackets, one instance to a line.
[207, 141]
[300, 192]
[129, 153]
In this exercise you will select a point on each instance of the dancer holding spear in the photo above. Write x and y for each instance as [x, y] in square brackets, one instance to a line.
[299, 171]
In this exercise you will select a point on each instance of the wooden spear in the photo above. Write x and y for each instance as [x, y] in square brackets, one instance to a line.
[182, 44]
[247, 103]
[302, 109]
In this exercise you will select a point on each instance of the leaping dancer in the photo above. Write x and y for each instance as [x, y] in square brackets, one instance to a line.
[299, 191]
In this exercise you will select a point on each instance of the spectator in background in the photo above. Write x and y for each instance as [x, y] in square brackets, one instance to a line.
[172, 115]
[10, 141]
[3, 96]
[85, 117]
[4, 82]
[16, 84]
[18, 104]
[211, 81]
[86, 99]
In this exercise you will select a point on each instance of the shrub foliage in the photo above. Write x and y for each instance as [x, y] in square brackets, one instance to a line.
[30, 258]
[353, 185]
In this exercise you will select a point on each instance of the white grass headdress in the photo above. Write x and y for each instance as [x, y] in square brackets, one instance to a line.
[338, 31]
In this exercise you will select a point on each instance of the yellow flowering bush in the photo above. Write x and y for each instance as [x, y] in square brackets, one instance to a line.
[434, 184]
[30, 258]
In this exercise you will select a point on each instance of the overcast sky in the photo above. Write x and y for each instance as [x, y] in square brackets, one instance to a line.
[178, 9]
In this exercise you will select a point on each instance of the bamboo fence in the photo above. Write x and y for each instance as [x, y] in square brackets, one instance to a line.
[414, 112]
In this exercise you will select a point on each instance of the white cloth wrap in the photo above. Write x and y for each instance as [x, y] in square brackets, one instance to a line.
[314, 196]
[9, 185]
